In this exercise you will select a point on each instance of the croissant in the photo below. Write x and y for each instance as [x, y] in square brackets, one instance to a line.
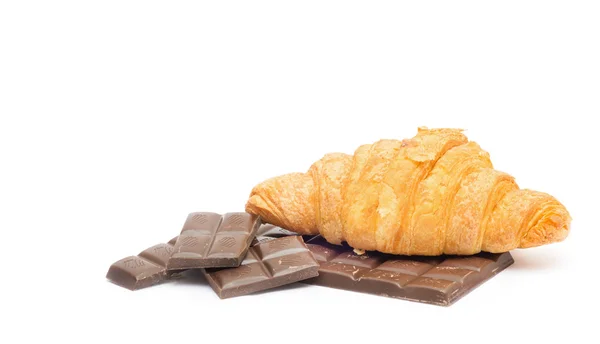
[434, 194]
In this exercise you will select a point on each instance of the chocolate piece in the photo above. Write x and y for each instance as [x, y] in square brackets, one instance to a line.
[212, 240]
[141, 271]
[267, 265]
[269, 232]
[435, 280]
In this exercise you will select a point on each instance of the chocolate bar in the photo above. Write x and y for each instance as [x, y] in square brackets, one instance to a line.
[213, 240]
[268, 232]
[435, 280]
[267, 265]
[141, 271]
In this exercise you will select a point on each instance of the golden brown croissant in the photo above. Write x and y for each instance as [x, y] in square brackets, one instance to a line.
[436, 193]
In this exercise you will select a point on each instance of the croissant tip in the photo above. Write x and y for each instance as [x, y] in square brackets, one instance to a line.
[253, 205]
[549, 230]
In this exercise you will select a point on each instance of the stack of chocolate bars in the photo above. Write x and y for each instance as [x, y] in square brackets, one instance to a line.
[238, 256]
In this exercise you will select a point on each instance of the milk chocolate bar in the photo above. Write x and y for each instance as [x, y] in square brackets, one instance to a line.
[268, 232]
[213, 240]
[267, 265]
[141, 271]
[435, 280]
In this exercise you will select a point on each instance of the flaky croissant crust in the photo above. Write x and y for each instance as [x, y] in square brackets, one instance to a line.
[434, 194]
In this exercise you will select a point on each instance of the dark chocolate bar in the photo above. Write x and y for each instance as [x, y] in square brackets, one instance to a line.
[213, 240]
[435, 280]
[267, 265]
[141, 271]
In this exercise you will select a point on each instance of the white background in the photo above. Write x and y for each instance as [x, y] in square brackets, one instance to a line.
[117, 118]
